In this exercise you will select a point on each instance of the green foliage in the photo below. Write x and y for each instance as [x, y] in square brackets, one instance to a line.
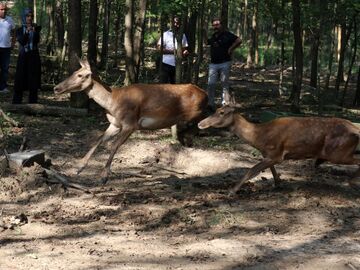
[151, 38]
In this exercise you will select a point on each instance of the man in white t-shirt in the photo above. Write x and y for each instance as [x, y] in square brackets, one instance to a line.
[169, 46]
[7, 41]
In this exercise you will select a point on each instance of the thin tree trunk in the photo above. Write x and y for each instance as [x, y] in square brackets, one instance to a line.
[79, 99]
[345, 35]
[128, 41]
[245, 29]
[253, 53]
[60, 28]
[92, 45]
[105, 37]
[117, 36]
[282, 52]
[314, 58]
[200, 40]
[189, 67]
[50, 35]
[357, 94]
[224, 13]
[138, 37]
[256, 33]
[298, 50]
[354, 48]
[178, 52]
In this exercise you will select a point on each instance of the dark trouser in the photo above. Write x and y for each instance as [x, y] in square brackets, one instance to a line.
[167, 73]
[4, 66]
[27, 77]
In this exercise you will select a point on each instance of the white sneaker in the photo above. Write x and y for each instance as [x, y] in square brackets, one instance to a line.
[4, 91]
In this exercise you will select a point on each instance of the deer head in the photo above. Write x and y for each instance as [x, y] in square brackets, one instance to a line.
[78, 81]
[223, 117]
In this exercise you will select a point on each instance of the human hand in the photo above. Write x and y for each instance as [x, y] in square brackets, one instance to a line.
[185, 52]
[29, 28]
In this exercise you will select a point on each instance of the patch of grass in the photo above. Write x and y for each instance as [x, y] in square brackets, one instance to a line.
[223, 217]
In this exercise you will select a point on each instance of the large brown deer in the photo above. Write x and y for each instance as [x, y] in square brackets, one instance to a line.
[323, 139]
[136, 107]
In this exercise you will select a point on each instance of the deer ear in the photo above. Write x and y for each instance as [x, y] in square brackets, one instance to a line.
[84, 63]
[232, 102]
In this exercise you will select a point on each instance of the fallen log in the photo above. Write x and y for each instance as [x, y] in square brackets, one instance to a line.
[41, 109]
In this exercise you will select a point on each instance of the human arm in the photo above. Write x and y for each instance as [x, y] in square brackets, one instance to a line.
[235, 44]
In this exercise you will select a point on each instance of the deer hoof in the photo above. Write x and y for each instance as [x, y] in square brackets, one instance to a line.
[104, 180]
[355, 183]
[80, 169]
[104, 177]
[232, 193]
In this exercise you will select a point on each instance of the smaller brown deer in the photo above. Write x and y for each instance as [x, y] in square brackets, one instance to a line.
[136, 107]
[323, 139]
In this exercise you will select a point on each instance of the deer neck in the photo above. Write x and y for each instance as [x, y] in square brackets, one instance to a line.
[244, 129]
[100, 95]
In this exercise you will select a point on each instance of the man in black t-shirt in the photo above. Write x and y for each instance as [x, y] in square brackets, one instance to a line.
[222, 44]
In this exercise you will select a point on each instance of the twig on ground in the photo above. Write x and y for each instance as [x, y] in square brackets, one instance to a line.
[58, 178]
[9, 119]
[173, 171]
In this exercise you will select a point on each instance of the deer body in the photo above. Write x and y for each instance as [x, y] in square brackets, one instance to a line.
[323, 139]
[136, 107]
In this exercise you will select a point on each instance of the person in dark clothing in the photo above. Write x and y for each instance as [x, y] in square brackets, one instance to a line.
[222, 44]
[28, 68]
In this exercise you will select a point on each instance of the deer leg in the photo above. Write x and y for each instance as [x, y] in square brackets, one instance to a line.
[110, 132]
[254, 171]
[123, 136]
[275, 175]
[186, 132]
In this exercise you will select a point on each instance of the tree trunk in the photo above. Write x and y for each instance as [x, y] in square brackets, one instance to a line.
[200, 40]
[60, 28]
[357, 95]
[282, 50]
[77, 100]
[330, 53]
[352, 61]
[50, 40]
[345, 35]
[92, 44]
[224, 13]
[178, 52]
[189, 67]
[117, 35]
[298, 51]
[314, 60]
[128, 41]
[253, 54]
[245, 22]
[105, 36]
[139, 37]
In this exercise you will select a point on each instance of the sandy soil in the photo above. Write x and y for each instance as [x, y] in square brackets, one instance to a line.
[166, 207]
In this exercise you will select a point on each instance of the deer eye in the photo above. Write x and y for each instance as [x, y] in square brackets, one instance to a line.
[79, 76]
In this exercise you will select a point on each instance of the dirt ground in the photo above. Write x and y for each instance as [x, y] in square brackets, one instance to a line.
[166, 206]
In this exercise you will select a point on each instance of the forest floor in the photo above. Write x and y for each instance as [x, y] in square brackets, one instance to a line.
[166, 206]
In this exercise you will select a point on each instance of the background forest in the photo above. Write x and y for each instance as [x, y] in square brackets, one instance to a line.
[317, 40]
[166, 206]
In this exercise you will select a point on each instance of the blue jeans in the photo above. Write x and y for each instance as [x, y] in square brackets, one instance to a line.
[4, 66]
[215, 71]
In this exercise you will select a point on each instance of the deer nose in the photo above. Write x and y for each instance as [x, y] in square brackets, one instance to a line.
[56, 89]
